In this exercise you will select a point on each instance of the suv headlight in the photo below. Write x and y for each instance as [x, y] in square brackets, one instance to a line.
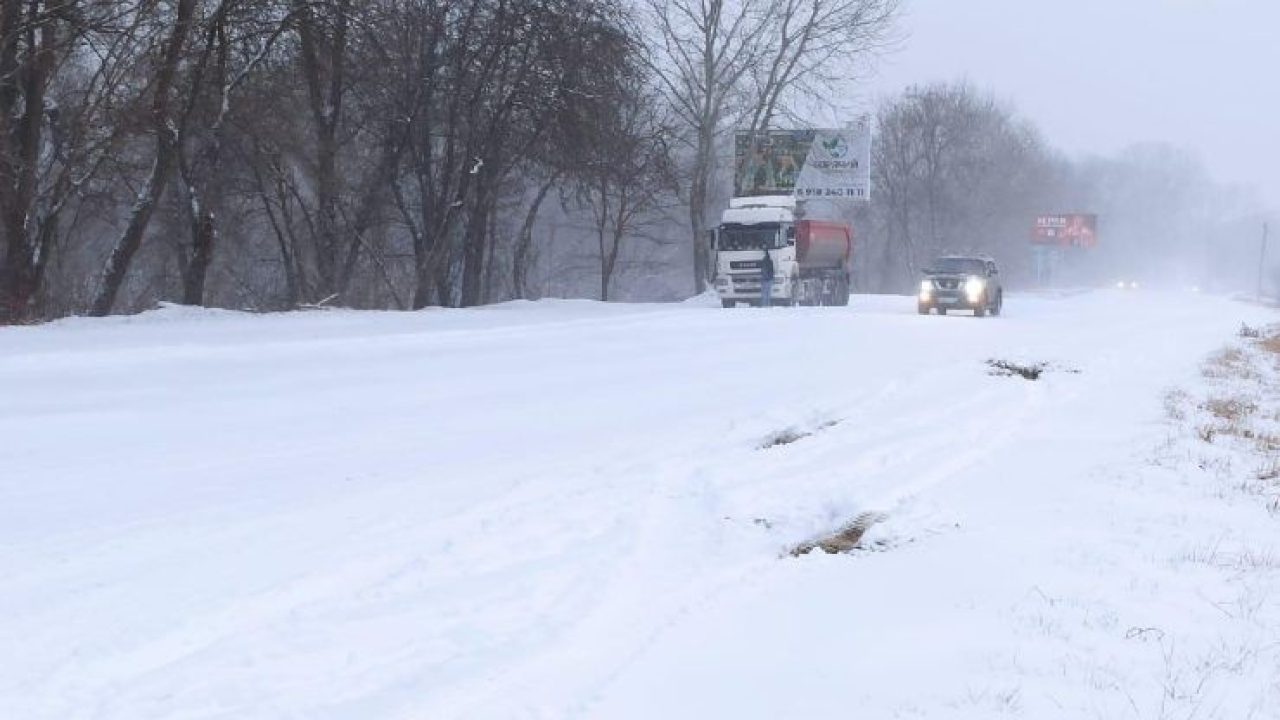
[973, 288]
[926, 287]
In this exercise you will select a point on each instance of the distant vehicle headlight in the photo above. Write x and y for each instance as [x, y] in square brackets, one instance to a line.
[1120, 285]
[926, 289]
[973, 288]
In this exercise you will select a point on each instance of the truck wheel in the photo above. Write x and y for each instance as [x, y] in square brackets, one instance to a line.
[942, 311]
[728, 303]
[999, 306]
[980, 311]
[922, 309]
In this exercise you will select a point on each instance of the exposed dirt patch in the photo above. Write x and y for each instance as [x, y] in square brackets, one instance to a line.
[848, 537]
[1006, 368]
[782, 437]
[1024, 370]
[786, 436]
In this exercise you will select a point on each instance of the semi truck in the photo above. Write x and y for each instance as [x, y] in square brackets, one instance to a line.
[811, 258]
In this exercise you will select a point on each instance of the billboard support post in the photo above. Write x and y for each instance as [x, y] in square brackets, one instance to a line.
[1262, 259]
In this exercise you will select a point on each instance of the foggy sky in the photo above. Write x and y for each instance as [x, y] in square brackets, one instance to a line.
[1098, 75]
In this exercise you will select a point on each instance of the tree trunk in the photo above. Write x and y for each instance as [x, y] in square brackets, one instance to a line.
[140, 217]
[118, 262]
[325, 96]
[491, 255]
[423, 287]
[521, 256]
[698, 226]
[473, 254]
[203, 239]
[698, 192]
[474, 249]
[27, 243]
[201, 197]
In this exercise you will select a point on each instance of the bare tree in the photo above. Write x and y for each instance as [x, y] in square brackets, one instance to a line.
[235, 40]
[954, 171]
[703, 52]
[164, 129]
[813, 47]
[481, 92]
[628, 174]
[523, 253]
[63, 68]
[323, 32]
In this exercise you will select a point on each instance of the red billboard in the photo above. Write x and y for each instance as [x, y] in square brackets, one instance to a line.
[1075, 230]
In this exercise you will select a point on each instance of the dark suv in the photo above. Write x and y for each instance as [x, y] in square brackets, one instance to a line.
[961, 283]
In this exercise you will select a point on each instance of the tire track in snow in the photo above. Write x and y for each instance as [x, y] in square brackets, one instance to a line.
[643, 604]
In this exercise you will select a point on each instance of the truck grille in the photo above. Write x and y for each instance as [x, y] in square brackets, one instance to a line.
[946, 284]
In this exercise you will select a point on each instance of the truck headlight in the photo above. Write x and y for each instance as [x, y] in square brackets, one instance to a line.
[926, 289]
[973, 288]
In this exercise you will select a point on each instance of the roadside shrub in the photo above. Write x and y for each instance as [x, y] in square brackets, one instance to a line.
[1232, 408]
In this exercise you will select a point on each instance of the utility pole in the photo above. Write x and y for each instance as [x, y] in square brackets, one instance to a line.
[1262, 259]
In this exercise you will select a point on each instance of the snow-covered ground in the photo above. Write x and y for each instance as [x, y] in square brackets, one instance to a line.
[564, 510]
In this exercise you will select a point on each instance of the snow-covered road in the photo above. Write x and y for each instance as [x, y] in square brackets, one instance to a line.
[564, 510]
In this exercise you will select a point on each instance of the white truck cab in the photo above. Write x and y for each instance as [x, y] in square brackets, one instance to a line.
[750, 227]
[810, 258]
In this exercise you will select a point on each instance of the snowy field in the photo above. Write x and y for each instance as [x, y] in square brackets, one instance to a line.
[564, 510]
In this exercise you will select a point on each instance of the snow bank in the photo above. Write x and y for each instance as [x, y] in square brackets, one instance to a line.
[564, 509]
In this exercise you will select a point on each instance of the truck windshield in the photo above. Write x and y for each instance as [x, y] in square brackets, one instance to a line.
[958, 266]
[750, 237]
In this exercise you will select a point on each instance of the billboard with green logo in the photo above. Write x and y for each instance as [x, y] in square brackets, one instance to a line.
[817, 163]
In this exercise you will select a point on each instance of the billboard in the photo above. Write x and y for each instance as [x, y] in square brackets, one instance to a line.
[1074, 230]
[825, 164]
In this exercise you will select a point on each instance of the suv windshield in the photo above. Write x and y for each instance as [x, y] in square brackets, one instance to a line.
[749, 237]
[958, 266]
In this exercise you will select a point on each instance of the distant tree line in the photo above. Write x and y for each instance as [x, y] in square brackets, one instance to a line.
[277, 154]
[955, 170]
